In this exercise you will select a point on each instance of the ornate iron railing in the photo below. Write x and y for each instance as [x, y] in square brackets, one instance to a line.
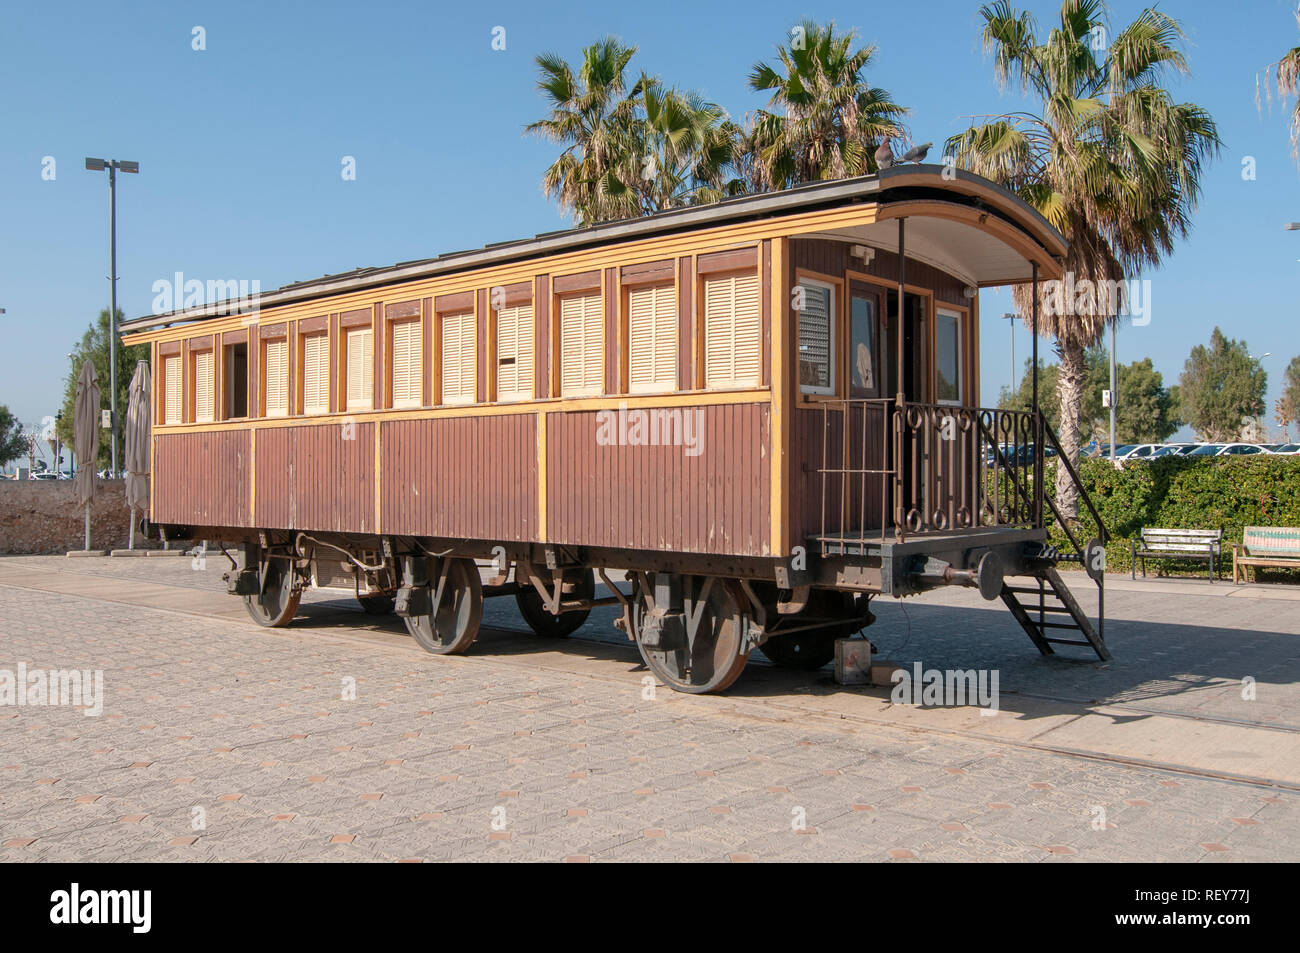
[892, 472]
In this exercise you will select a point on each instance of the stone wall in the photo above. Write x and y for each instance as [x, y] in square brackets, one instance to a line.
[42, 516]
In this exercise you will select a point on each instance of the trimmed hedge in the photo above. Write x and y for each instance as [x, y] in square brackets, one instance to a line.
[1186, 493]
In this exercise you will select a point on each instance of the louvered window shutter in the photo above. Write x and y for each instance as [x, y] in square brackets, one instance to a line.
[582, 364]
[515, 353]
[408, 360]
[652, 339]
[315, 374]
[361, 369]
[815, 350]
[458, 371]
[172, 390]
[277, 378]
[203, 411]
[732, 332]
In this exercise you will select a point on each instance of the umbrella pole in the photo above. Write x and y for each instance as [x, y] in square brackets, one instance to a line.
[87, 527]
[130, 533]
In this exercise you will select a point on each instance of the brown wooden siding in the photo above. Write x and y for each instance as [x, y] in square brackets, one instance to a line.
[660, 497]
[332, 477]
[271, 483]
[201, 478]
[466, 477]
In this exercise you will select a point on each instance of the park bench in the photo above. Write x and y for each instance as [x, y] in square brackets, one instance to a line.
[1266, 546]
[1177, 544]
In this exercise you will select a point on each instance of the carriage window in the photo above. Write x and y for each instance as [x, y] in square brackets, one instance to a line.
[947, 354]
[815, 305]
[732, 332]
[234, 366]
[652, 339]
[360, 369]
[316, 374]
[458, 372]
[172, 390]
[203, 394]
[582, 364]
[275, 360]
[515, 353]
[862, 345]
[408, 364]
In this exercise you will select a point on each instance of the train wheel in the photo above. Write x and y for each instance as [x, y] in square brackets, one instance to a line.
[278, 603]
[802, 651]
[715, 659]
[451, 630]
[578, 584]
[376, 605]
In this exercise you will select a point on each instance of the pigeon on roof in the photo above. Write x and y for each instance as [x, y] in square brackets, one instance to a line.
[884, 155]
[916, 154]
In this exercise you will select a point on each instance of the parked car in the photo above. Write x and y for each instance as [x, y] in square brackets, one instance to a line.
[1173, 449]
[1141, 451]
[44, 475]
[1241, 449]
[1287, 449]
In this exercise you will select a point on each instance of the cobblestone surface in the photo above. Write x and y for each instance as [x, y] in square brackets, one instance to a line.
[222, 741]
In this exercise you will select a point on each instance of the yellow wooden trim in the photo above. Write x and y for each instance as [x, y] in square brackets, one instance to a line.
[722, 238]
[542, 461]
[780, 420]
[754, 395]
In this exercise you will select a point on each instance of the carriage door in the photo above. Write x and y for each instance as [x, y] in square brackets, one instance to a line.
[866, 413]
[913, 385]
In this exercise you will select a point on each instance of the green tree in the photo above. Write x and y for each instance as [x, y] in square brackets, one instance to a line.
[1221, 386]
[94, 344]
[1147, 411]
[824, 121]
[12, 442]
[1110, 159]
[1287, 409]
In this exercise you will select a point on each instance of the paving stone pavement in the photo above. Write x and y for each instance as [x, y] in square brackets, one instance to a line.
[223, 741]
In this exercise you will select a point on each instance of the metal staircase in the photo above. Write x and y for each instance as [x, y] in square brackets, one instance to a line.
[1051, 606]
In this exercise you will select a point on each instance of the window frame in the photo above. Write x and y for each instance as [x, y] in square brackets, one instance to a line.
[585, 391]
[701, 329]
[365, 403]
[654, 387]
[206, 355]
[264, 360]
[529, 392]
[835, 327]
[303, 339]
[416, 322]
[940, 311]
[167, 379]
[457, 400]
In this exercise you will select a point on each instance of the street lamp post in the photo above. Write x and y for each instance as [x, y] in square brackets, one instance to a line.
[112, 165]
[1012, 317]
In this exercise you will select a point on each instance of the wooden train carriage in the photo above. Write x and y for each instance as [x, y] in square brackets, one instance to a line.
[764, 410]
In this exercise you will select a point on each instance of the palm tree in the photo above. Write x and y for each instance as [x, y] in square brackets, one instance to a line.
[593, 115]
[688, 148]
[1286, 74]
[825, 121]
[1110, 160]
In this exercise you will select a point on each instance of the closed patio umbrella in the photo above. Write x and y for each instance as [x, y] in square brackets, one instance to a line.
[85, 427]
[138, 417]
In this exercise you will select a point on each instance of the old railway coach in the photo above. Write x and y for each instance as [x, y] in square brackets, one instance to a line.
[762, 411]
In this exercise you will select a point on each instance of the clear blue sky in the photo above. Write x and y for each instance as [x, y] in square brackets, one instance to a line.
[241, 147]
